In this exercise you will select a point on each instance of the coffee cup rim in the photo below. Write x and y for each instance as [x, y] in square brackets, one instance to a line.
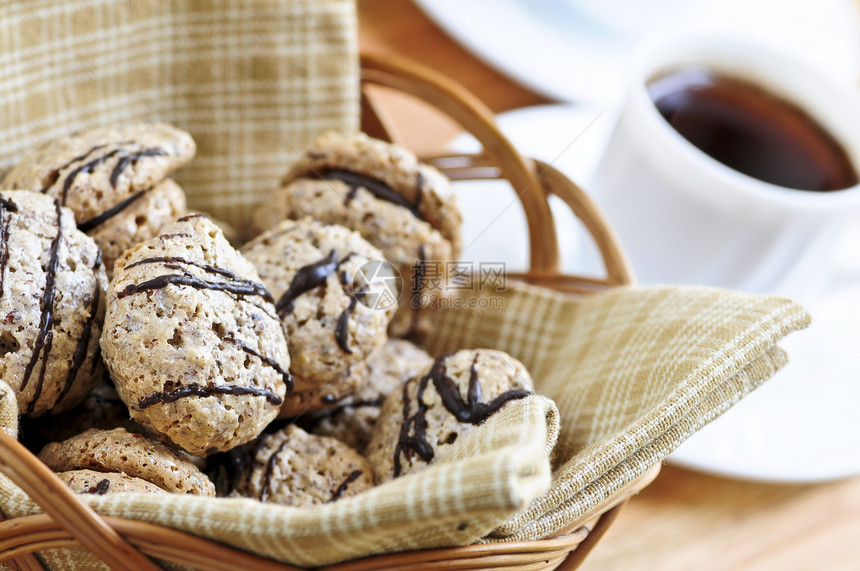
[753, 58]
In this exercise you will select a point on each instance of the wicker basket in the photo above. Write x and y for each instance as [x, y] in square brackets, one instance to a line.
[127, 544]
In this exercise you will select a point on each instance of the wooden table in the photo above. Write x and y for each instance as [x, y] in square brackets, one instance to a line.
[684, 520]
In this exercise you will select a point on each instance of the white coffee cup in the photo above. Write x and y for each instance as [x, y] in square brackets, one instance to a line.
[684, 217]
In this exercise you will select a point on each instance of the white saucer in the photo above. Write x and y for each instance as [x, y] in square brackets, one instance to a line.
[575, 50]
[800, 426]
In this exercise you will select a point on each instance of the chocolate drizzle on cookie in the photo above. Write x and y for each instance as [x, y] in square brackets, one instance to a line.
[126, 159]
[45, 336]
[341, 332]
[306, 278]
[188, 217]
[6, 205]
[86, 168]
[131, 159]
[413, 430]
[178, 260]
[270, 468]
[472, 410]
[84, 341]
[54, 175]
[350, 196]
[101, 488]
[341, 489]
[374, 186]
[209, 390]
[123, 163]
[285, 375]
[309, 277]
[236, 286]
[97, 221]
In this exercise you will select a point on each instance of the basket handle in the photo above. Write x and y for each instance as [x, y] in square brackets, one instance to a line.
[453, 99]
[532, 180]
[63, 506]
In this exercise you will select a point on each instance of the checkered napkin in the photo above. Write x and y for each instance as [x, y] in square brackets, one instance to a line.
[630, 374]
[253, 81]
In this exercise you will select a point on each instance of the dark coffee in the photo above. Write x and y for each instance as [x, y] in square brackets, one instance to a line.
[751, 130]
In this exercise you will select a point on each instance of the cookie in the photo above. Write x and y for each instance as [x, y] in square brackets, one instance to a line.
[325, 297]
[141, 220]
[192, 339]
[98, 169]
[294, 468]
[390, 172]
[418, 423]
[52, 285]
[112, 179]
[403, 207]
[133, 454]
[353, 419]
[100, 483]
[324, 395]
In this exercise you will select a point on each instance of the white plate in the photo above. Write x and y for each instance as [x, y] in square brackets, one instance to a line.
[800, 426]
[575, 50]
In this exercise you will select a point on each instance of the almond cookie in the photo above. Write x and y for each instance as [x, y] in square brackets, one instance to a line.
[294, 468]
[133, 454]
[353, 419]
[52, 285]
[100, 483]
[422, 420]
[107, 176]
[403, 207]
[193, 341]
[324, 395]
[142, 219]
[326, 299]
